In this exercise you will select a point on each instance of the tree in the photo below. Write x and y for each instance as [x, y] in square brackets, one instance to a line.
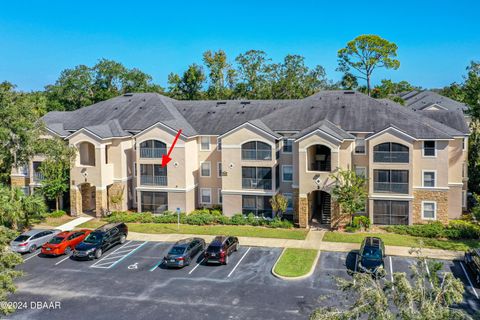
[365, 54]
[135, 80]
[15, 206]
[349, 81]
[474, 157]
[188, 86]
[107, 81]
[8, 261]
[252, 73]
[56, 168]
[387, 88]
[279, 204]
[425, 297]
[19, 129]
[349, 192]
[220, 74]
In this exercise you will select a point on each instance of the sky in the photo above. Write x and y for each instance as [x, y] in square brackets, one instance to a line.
[38, 39]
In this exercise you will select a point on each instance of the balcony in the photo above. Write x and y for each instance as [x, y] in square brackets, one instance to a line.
[391, 156]
[152, 152]
[37, 176]
[391, 187]
[252, 183]
[265, 213]
[153, 180]
[252, 154]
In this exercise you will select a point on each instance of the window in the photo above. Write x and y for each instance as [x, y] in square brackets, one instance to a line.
[429, 210]
[387, 212]
[106, 154]
[319, 158]
[219, 144]
[289, 197]
[205, 195]
[258, 205]
[390, 181]
[361, 171]
[390, 152]
[87, 154]
[153, 175]
[429, 178]
[220, 198]
[152, 149]
[37, 174]
[155, 202]
[134, 169]
[256, 150]
[287, 146]
[257, 178]
[25, 190]
[23, 170]
[205, 143]
[429, 149]
[287, 173]
[205, 169]
[359, 146]
[219, 169]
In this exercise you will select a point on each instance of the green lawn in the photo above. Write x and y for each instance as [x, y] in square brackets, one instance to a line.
[393, 239]
[239, 231]
[295, 262]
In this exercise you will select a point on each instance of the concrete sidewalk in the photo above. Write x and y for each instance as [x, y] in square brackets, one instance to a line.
[313, 241]
[72, 224]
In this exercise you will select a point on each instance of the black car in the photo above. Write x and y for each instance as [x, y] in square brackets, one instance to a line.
[220, 248]
[472, 260]
[371, 256]
[100, 240]
[183, 252]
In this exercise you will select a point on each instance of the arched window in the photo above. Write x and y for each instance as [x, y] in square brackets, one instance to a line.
[87, 154]
[256, 150]
[319, 158]
[390, 152]
[152, 149]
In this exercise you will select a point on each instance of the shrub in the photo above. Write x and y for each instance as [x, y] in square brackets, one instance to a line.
[278, 223]
[458, 229]
[238, 219]
[430, 230]
[351, 228]
[57, 214]
[361, 222]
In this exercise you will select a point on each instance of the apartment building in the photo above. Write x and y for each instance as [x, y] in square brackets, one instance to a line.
[236, 154]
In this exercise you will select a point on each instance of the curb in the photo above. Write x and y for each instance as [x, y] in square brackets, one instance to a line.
[307, 275]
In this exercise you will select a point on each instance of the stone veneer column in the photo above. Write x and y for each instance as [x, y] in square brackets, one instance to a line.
[100, 202]
[17, 181]
[75, 205]
[114, 191]
[303, 211]
[440, 197]
[295, 206]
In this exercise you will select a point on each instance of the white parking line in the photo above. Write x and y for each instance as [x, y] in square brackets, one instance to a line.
[68, 257]
[32, 256]
[196, 266]
[238, 263]
[468, 278]
[428, 272]
[103, 264]
[391, 271]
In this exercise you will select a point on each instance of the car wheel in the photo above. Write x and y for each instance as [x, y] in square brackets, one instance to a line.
[123, 238]
[98, 254]
[226, 260]
[478, 279]
[237, 246]
[32, 248]
[68, 251]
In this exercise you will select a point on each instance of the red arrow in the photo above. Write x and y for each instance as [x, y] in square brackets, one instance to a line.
[166, 158]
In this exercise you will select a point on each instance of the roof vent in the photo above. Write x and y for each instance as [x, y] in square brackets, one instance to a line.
[221, 102]
[128, 94]
[349, 92]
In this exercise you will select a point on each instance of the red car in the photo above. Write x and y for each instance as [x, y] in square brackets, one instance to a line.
[64, 242]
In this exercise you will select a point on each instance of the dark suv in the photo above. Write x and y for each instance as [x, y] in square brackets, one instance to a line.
[100, 240]
[472, 260]
[220, 248]
[370, 257]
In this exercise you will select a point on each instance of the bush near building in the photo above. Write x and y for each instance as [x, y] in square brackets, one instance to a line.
[455, 230]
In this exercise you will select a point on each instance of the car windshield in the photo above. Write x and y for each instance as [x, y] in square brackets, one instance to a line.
[56, 240]
[177, 250]
[214, 248]
[372, 253]
[21, 238]
[93, 238]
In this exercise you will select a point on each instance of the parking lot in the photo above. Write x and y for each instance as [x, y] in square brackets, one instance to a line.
[128, 282]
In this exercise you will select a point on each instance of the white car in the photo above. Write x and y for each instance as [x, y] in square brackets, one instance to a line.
[32, 240]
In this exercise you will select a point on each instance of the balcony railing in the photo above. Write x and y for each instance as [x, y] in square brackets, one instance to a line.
[38, 176]
[391, 187]
[252, 154]
[266, 213]
[152, 152]
[320, 166]
[252, 183]
[391, 156]
[153, 180]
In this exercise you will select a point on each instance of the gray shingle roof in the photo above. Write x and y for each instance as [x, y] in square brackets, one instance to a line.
[337, 112]
[327, 127]
[419, 100]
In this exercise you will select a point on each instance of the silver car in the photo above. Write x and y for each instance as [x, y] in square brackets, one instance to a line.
[32, 240]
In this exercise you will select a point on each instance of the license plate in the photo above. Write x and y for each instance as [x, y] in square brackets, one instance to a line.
[80, 254]
[172, 260]
[48, 249]
[212, 255]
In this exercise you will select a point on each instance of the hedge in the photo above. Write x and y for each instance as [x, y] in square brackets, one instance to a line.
[199, 218]
[455, 230]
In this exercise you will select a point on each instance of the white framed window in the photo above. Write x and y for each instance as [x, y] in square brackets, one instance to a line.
[360, 146]
[429, 178]
[205, 169]
[429, 210]
[361, 171]
[219, 169]
[134, 169]
[220, 198]
[205, 195]
[23, 170]
[289, 197]
[464, 198]
[287, 146]
[429, 148]
[287, 173]
[205, 143]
